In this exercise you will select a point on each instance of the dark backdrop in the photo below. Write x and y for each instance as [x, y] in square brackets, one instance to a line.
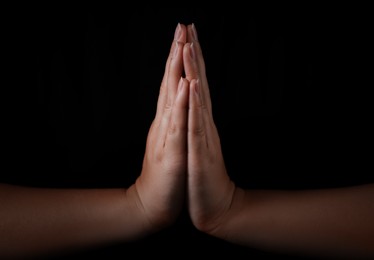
[97, 75]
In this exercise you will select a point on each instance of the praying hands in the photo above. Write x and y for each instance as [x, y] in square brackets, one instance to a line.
[184, 165]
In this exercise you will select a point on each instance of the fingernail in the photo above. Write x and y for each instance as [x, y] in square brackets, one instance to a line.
[176, 47]
[178, 32]
[180, 85]
[192, 51]
[197, 87]
[194, 32]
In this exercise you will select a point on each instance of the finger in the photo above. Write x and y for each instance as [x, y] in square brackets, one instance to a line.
[197, 136]
[168, 96]
[197, 61]
[180, 35]
[192, 33]
[190, 63]
[193, 38]
[176, 138]
[175, 68]
[195, 69]
[174, 74]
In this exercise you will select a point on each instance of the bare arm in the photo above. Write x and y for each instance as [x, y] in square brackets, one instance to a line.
[37, 221]
[325, 223]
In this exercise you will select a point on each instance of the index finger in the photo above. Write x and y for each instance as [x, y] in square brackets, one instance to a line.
[167, 92]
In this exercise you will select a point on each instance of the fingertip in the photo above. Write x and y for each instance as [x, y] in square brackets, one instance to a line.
[177, 49]
[189, 60]
[183, 36]
[179, 40]
[183, 90]
[180, 34]
[195, 86]
[177, 32]
[183, 83]
[186, 52]
[194, 32]
[180, 84]
[189, 33]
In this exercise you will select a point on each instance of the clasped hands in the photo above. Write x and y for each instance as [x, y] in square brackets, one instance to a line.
[183, 165]
[183, 159]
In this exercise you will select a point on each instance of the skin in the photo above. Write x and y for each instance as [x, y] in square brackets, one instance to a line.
[41, 221]
[321, 223]
[183, 158]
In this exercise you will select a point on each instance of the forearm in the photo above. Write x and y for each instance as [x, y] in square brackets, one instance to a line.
[37, 221]
[336, 222]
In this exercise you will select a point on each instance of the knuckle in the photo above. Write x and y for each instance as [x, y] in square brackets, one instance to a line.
[175, 129]
[168, 106]
[197, 131]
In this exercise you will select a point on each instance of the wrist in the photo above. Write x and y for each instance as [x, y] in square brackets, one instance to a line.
[138, 212]
[153, 216]
[214, 221]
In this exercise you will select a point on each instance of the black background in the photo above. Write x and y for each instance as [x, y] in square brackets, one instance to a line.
[83, 118]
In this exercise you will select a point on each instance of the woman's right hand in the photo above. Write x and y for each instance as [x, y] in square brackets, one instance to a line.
[210, 190]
